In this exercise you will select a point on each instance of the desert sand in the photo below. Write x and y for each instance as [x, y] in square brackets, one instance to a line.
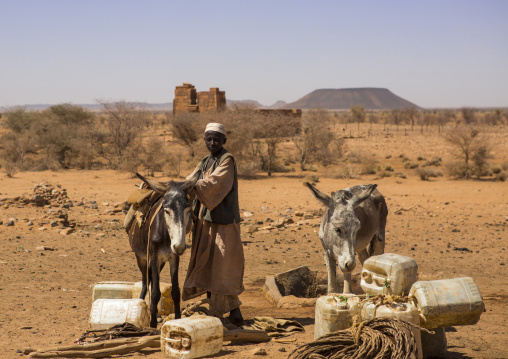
[451, 228]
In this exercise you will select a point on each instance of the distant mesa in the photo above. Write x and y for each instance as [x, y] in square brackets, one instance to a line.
[342, 99]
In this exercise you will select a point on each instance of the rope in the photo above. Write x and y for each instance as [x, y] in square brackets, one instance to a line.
[125, 330]
[382, 299]
[379, 338]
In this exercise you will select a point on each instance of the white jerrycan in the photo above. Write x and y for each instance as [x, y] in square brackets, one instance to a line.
[108, 312]
[448, 302]
[335, 312]
[191, 337]
[389, 273]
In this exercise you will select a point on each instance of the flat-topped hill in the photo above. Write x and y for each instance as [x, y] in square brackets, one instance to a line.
[342, 99]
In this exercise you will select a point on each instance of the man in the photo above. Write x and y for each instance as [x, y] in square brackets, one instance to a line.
[216, 265]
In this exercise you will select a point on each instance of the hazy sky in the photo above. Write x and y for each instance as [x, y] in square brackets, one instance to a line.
[434, 53]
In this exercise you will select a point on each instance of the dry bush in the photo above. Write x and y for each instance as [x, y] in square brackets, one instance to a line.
[386, 167]
[383, 174]
[188, 130]
[426, 173]
[51, 139]
[123, 128]
[502, 176]
[471, 149]
[153, 156]
[409, 165]
[317, 143]
[342, 172]
[435, 161]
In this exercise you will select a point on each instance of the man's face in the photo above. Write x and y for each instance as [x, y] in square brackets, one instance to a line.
[214, 142]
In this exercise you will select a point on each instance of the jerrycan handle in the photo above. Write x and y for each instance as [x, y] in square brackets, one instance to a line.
[185, 342]
[378, 279]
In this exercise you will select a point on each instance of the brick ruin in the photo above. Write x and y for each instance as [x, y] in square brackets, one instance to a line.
[188, 100]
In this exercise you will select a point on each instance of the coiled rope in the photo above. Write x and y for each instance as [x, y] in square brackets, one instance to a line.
[379, 338]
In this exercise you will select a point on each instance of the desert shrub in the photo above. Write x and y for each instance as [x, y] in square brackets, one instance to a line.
[316, 143]
[19, 120]
[386, 167]
[383, 174]
[343, 172]
[153, 156]
[400, 174]
[188, 129]
[409, 165]
[435, 161]
[368, 166]
[120, 136]
[502, 176]
[355, 157]
[481, 166]
[420, 158]
[496, 169]
[504, 166]
[472, 149]
[311, 168]
[426, 173]
[457, 170]
[131, 161]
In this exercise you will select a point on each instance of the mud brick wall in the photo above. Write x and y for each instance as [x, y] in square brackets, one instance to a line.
[185, 99]
[213, 100]
[188, 100]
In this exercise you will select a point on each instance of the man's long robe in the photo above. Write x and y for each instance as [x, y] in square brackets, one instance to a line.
[217, 260]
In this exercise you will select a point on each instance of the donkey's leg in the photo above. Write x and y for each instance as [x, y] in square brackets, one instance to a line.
[331, 266]
[347, 283]
[174, 262]
[377, 244]
[143, 268]
[156, 292]
[363, 255]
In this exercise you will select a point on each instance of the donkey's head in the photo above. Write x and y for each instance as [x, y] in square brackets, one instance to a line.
[176, 206]
[340, 224]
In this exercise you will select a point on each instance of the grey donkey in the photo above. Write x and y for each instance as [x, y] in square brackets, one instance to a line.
[354, 219]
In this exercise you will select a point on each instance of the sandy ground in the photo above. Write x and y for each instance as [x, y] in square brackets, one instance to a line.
[46, 296]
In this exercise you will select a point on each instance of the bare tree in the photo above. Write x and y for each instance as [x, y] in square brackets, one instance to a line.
[412, 115]
[124, 124]
[468, 115]
[397, 116]
[274, 129]
[468, 145]
[358, 114]
[317, 143]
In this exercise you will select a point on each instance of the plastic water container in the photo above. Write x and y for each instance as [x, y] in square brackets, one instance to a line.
[333, 314]
[166, 305]
[132, 290]
[191, 337]
[388, 273]
[112, 290]
[108, 312]
[448, 302]
[405, 311]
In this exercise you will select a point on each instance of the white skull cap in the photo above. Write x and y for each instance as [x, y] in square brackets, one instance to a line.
[217, 127]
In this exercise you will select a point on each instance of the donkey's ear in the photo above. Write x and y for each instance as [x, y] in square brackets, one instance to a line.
[157, 186]
[322, 197]
[191, 183]
[363, 195]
